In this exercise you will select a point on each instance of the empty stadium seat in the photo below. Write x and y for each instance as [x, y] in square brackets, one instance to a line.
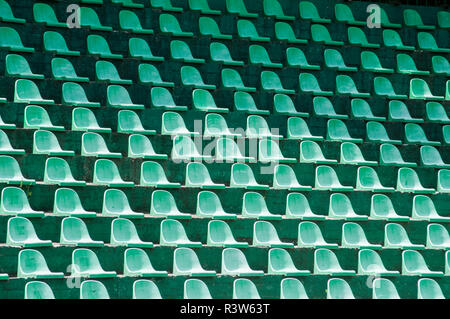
[357, 37]
[26, 91]
[265, 235]
[419, 89]
[190, 76]
[36, 117]
[426, 41]
[85, 263]
[220, 234]
[45, 142]
[310, 235]
[55, 42]
[334, 60]
[346, 86]
[215, 126]
[424, 209]
[93, 289]
[326, 263]
[93, 144]
[219, 53]
[209, 206]
[370, 263]
[128, 4]
[408, 181]
[204, 101]
[437, 237]
[297, 206]
[324, 107]
[245, 289]
[139, 48]
[196, 289]
[284, 32]
[440, 65]
[14, 201]
[443, 178]
[308, 11]
[227, 150]
[208, 27]
[351, 154]
[98, 46]
[344, 14]
[257, 127]
[68, 203]
[203, 7]
[292, 288]
[57, 171]
[172, 123]
[10, 172]
[163, 205]
[385, 22]
[89, 18]
[412, 19]
[129, 21]
[234, 263]
[180, 50]
[392, 39]
[185, 149]
[384, 289]
[6, 14]
[32, 264]
[414, 264]
[271, 82]
[341, 208]
[370, 62]
[284, 178]
[297, 128]
[353, 236]
[430, 157]
[428, 288]
[62, 69]
[414, 134]
[38, 290]
[269, 151]
[361, 109]
[137, 263]
[254, 206]
[283, 104]
[18, 66]
[296, 58]
[238, 7]
[310, 152]
[74, 94]
[6, 147]
[107, 173]
[197, 175]
[390, 155]
[145, 289]
[162, 98]
[383, 87]
[129, 122]
[381, 207]
[326, 178]
[406, 64]
[398, 111]
[443, 18]
[376, 133]
[244, 102]
[170, 25]
[281, 263]
[149, 74]
[309, 84]
[337, 131]
[75, 232]
[106, 71]
[367, 179]
[165, 5]
[20, 232]
[11, 41]
[338, 288]
[124, 233]
[231, 79]
[242, 176]
[173, 234]
[258, 55]
[115, 204]
[435, 112]
[395, 236]
[320, 34]
[186, 263]
[118, 97]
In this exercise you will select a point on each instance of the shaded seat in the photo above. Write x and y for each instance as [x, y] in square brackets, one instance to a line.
[162, 98]
[186, 263]
[376, 133]
[296, 58]
[219, 53]
[204, 101]
[381, 207]
[367, 179]
[6, 147]
[351, 154]
[106, 71]
[384, 289]
[216, 125]
[414, 264]
[323, 107]
[244, 102]
[3, 125]
[20, 232]
[284, 178]
[270, 81]
[203, 7]
[334, 60]
[152, 174]
[14, 201]
[165, 5]
[242, 176]
[26, 91]
[426, 41]
[184, 149]
[36, 117]
[6, 14]
[398, 111]
[93, 144]
[209, 206]
[129, 21]
[339, 289]
[190, 76]
[341, 208]
[272, 8]
[310, 235]
[326, 178]
[430, 157]
[412, 19]
[129, 122]
[284, 32]
[353, 236]
[443, 18]
[55, 42]
[149, 74]
[68, 203]
[245, 289]
[137, 263]
[208, 27]
[435, 112]
[107, 173]
[45, 142]
[172, 123]
[346, 86]
[269, 151]
[170, 25]
[85, 263]
[292, 288]
[220, 234]
[18, 66]
[440, 65]
[163, 205]
[265, 235]
[124, 233]
[98, 46]
[180, 50]
[385, 22]
[83, 119]
[231, 79]
[11, 41]
[283, 104]
[308, 11]
[62, 69]
[10, 172]
[247, 30]
[257, 127]
[145, 289]
[408, 181]
[139, 48]
[258, 55]
[392, 39]
[228, 151]
[93, 289]
[370, 62]
[395, 236]
[356, 36]
[118, 97]
[419, 89]
[74, 94]
[423, 209]
[238, 7]
[281, 263]
[38, 290]
[196, 289]
[371, 264]
[326, 263]
[310, 152]
[437, 237]
[88, 18]
[308, 84]
[320, 34]
[32, 264]
[234, 263]
[428, 288]
[297, 206]
[297, 128]
[197, 175]
[75, 232]
[337, 131]
[414, 134]
[443, 183]
[344, 14]
[172, 233]
[115, 204]
[254, 206]
[383, 87]
[406, 64]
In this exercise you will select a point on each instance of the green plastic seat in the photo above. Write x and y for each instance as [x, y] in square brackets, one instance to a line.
[414, 134]
[220, 234]
[385, 22]
[106, 71]
[341, 208]
[428, 288]
[209, 206]
[128, 4]
[414, 264]
[371, 264]
[129, 122]
[419, 89]
[383, 87]
[412, 19]
[83, 119]
[353, 236]
[326, 178]
[242, 176]
[272, 8]
[20, 232]
[55, 42]
[137, 263]
[296, 58]
[231, 79]
[6, 14]
[85, 263]
[115, 204]
[357, 37]
[89, 19]
[351, 154]
[204, 101]
[38, 290]
[370, 62]
[283, 104]
[384, 289]
[344, 14]
[437, 237]
[149, 74]
[11, 41]
[57, 171]
[124, 233]
[93, 144]
[320, 34]
[408, 181]
[269, 151]
[74, 94]
[184, 149]
[406, 65]
[308, 11]
[107, 173]
[435, 112]
[203, 7]
[257, 127]
[26, 91]
[310, 236]
[292, 288]
[67, 203]
[392, 39]
[443, 18]
[244, 102]
[216, 126]
[197, 175]
[284, 32]
[179, 50]
[440, 65]
[284, 178]
[234, 263]
[186, 263]
[10, 172]
[165, 5]
[339, 289]
[376, 133]
[258, 55]
[129, 21]
[427, 42]
[238, 7]
[36, 117]
[398, 111]
[62, 69]
[346, 86]
[45, 142]
[220, 53]
[172, 123]
[323, 107]
[281, 263]
[17, 66]
[75, 232]
[6, 147]
[162, 98]
[93, 289]
[208, 27]
[297, 206]
[98, 46]
[190, 76]
[337, 131]
[443, 184]
[334, 60]
[139, 48]
[381, 208]
[270, 81]
[326, 263]
[254, 206]
[32, 264]
[247, 30]
[308, 84]
[145, 289]
[424, 209]
[367, 179]
[3, 125]
[395, 236]
[265, 235]
[14, 201]
[170, 25]
[163, 205]
[196, 289]
[298, 129]
[173, 234]
[245, 289]
[310, 152]
[118, 97]
[430, 157]
[228, 151]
